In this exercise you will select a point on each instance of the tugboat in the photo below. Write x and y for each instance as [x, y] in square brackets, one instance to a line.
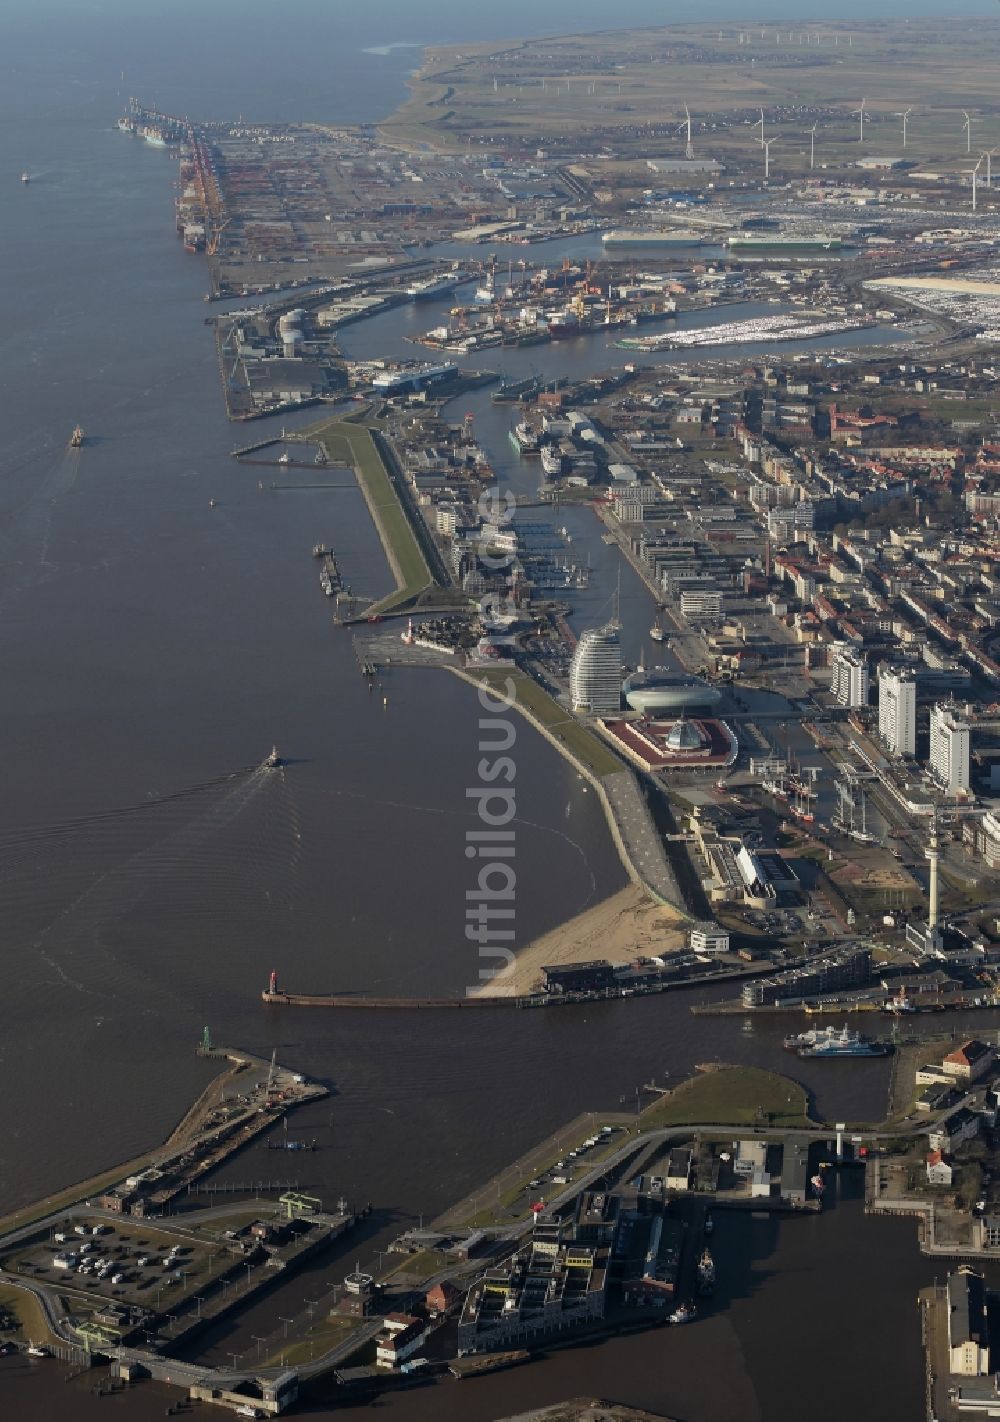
[684, 1314]
[76, 438]
[899, 1004]
[657, 633]
[273, 761]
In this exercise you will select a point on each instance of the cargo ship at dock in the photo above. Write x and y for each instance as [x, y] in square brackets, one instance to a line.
[155, 134]
[789, 242]
[658, 237]
[551, 461]
[523, 439]
[752, 329]
[430, 287]
[510, 391]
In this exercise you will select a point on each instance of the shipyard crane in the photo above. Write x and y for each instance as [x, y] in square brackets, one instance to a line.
[223, 349]
[212, 245]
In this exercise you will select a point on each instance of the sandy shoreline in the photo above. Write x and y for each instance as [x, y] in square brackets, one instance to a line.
[619, 929]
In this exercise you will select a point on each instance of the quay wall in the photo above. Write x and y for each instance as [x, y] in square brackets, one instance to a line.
[280, 998]
[304, 999]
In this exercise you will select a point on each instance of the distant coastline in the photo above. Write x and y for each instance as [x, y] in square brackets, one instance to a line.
[388, 48]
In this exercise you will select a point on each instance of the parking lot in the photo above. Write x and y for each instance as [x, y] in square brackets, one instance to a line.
[123, 1262]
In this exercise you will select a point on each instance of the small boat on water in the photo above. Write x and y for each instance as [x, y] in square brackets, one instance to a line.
[26, 177]
[76, 438]
[284, 458]
[273, 761]
[684, 1314]
[706, 1273]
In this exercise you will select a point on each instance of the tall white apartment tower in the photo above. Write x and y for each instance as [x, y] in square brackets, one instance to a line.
[897, 711]
[850, 681]
[595, 674]
[949, 749]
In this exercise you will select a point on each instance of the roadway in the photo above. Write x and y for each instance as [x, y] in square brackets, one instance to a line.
[644, 1143]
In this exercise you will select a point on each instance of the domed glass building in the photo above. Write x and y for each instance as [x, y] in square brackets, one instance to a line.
[661, 690]
[685, 736]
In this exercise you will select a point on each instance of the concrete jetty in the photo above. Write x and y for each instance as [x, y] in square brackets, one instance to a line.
[257, 445]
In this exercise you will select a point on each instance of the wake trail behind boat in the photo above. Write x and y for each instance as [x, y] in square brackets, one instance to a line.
[74, 944]
[31, 835]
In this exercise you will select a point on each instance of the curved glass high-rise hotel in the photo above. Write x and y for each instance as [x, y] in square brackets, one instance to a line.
[595, 674]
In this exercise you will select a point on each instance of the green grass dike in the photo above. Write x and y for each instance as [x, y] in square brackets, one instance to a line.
[347, 441]
[580, 741]
[22, 1314]
[732, 1096]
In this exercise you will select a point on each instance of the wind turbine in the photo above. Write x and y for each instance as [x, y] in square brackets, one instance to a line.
[812, 145]
[988, 155]
[689, 150]
[975, 174]
[904, 117]
[767, 158]
[967, 127]
[861, 118]
[761, 128]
